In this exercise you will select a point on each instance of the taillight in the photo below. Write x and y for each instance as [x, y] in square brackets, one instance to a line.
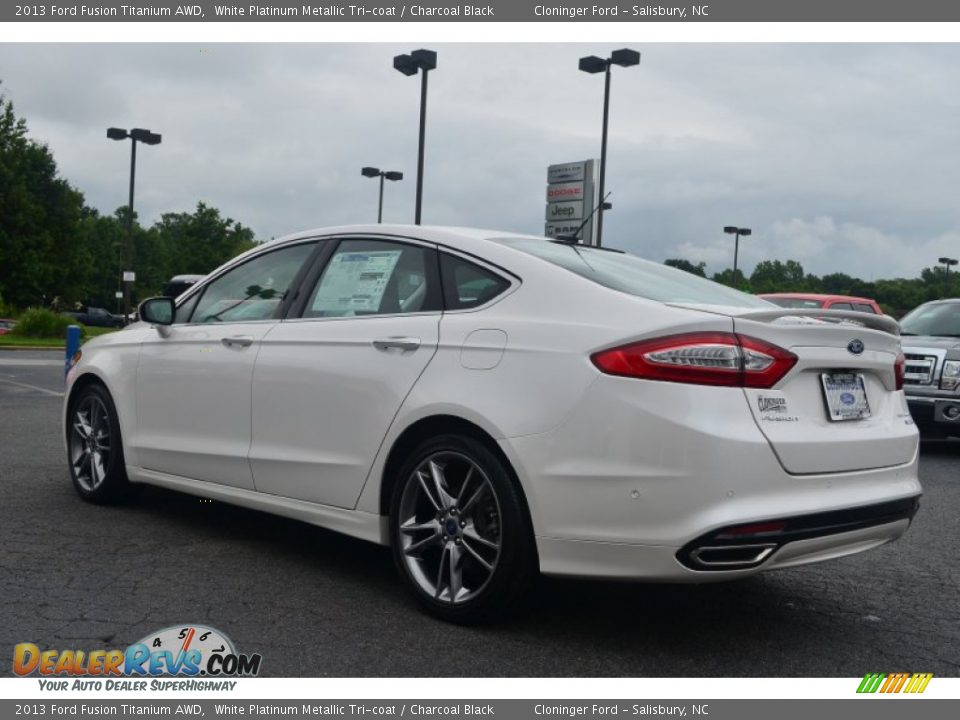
[899, 367]
[701, 358]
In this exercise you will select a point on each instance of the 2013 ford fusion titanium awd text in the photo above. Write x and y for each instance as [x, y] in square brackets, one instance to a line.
[491, 405]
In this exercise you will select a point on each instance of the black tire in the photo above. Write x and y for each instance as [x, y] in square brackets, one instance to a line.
[97, 482]
[514, 572]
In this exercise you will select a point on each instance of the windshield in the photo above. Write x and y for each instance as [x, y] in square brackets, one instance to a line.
[630, 274]
[791, 302]
[939, 318]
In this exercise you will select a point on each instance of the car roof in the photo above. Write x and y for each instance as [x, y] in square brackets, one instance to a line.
[464, 238]
[471, 241]
[817, 296]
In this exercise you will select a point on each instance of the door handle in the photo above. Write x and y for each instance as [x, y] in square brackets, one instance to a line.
[403, 343]
[237, 341]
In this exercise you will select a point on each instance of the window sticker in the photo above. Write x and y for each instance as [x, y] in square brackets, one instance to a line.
[355, 282]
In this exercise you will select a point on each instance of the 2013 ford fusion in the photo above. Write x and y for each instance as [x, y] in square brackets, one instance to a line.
[493, 405]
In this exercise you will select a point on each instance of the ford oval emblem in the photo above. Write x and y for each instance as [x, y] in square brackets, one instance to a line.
[855, 346]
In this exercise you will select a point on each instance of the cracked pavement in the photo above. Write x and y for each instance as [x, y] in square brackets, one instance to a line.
[314, 603]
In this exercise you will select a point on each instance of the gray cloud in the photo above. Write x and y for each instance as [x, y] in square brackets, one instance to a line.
[843, 156]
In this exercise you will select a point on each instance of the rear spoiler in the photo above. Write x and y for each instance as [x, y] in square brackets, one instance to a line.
[798, 316]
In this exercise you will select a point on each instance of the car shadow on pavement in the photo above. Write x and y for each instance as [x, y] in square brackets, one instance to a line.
[619, 622]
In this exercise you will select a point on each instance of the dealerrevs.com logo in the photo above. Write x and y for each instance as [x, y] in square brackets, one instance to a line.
[178, 651]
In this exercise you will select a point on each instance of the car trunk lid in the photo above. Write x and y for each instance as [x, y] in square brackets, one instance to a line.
[843, 359]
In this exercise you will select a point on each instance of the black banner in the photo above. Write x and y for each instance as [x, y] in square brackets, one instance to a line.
[489, 11]
[878, 709]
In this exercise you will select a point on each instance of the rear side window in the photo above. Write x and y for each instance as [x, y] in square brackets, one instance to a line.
[863, 307]
[635, 276]
[466, 285]
[841, 306]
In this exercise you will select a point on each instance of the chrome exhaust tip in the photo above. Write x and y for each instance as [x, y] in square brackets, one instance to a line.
[731, 557]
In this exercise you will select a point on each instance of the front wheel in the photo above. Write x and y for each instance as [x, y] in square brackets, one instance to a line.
[94, 448]
[460, 534]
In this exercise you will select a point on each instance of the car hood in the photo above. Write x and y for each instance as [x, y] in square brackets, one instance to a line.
[931, 341]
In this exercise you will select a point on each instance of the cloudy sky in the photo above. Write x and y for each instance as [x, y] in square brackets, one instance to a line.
[845, 157]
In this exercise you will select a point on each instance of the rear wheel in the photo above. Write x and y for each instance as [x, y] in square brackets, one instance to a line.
[460, 533]
[94, 448]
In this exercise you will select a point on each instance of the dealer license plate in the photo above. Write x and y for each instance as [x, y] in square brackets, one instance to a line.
[845, 395]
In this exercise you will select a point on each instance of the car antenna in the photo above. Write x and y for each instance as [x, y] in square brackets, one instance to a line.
[573, 238]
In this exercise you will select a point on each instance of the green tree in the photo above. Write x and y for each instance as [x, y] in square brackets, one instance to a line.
[102, 240]
[837, 283]
[775, 276]
[681, 264]
[39, 218]
[200, 241]
[735, 280]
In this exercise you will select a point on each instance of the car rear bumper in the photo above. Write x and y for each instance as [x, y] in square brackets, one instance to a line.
[656, 563]
[636, 475]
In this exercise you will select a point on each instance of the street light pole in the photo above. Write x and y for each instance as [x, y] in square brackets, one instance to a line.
[947, 262]
[150, 138]
[603, 151]
[424, 61]
[372, 172]
[594, 64]
[736, 231]
[420, 146]
[380, 203]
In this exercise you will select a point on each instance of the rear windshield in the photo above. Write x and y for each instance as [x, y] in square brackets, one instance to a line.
[630, 274]
[786, 302]
[933, 319]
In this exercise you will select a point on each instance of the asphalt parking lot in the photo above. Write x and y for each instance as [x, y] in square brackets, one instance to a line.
[314, 603]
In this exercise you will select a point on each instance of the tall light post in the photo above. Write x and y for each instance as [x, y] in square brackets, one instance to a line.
[947, 262]
[593, 64]
[372, 172]
[738, 232]
[148, 138]
[418, 60]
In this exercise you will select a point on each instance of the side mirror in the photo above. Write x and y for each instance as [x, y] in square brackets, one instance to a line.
[157, 311]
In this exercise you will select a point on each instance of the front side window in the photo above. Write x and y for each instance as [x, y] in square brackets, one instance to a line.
[375, 277]
[863, 307]
[253, 290]
[841, 306]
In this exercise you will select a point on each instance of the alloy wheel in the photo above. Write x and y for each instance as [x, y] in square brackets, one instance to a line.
[90, 443]
[450, 527]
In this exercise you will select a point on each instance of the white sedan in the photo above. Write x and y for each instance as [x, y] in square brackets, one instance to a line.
[492, 405]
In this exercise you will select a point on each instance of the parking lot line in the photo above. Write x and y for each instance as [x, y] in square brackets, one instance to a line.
[31, 362]
[33, 387]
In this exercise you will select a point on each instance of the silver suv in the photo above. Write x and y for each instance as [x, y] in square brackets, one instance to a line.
[931, 344]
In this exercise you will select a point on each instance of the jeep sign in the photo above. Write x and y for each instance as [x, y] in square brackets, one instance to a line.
[565, 210]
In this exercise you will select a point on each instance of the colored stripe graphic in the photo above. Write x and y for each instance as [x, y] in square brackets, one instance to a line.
[870, 683]
[894, 682]
[918, 683]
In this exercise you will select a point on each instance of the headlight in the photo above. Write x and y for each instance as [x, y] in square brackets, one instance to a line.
[950, 377]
